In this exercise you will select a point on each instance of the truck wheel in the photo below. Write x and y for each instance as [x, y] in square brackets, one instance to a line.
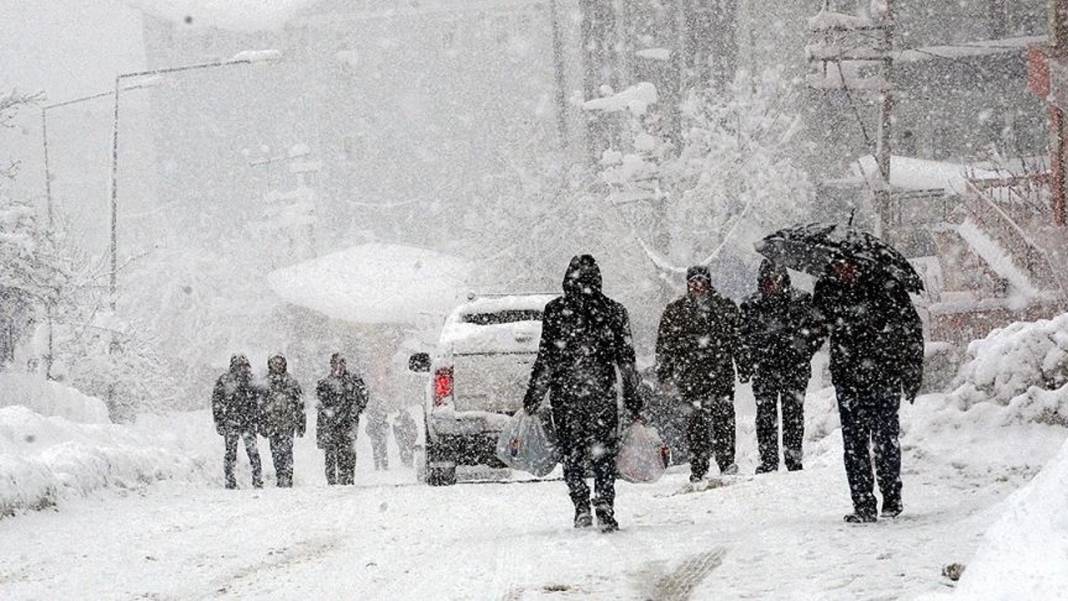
[441, 476]
[440, 469]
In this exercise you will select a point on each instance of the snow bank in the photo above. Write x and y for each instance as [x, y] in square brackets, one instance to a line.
[1024, 554]
[51, 399]
[45, 459]
[1024, 367]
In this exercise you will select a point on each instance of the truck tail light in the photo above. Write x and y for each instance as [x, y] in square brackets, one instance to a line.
[442, 386]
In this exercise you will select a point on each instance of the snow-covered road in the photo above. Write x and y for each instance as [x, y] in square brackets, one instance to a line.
[778, 536]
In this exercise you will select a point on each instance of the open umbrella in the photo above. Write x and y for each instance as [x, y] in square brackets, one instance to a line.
[813, 247]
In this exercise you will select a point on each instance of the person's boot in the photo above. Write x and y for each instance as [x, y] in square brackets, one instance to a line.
[765, 468]
[860, 516]
[606, 518]
[730, 470]
[583, 518]
[892, 508]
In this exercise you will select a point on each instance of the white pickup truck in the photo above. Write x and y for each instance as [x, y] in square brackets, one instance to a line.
[478, 376]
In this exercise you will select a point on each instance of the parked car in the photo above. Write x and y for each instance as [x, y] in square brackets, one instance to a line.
[478, 376]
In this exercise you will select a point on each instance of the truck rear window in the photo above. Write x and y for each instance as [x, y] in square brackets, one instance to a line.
[499, 317]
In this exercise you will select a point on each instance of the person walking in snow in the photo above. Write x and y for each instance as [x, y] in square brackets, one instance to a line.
[876, 344]
[378, 432]
[585, 341]
[697, 349]
[342, 397]
[234, 406]
[781, 333]
[405, 432]
[283, 417]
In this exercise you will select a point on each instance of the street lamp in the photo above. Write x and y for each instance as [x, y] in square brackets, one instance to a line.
[48, 190]
[248, 57]
[44, 136]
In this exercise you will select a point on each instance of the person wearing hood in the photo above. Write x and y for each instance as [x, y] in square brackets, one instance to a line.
[697, 348]
[283, 417]
[342, 397]
[781, 333]
[234, 406]
[876, 344]
[585, 343]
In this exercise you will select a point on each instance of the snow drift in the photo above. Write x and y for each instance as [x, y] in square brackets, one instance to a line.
[1024, 554]
[51, 399]
[1023, 367]
[46, 459]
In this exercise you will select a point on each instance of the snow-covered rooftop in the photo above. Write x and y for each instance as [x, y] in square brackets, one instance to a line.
[375, 283]
[907, 173]
[970, 49]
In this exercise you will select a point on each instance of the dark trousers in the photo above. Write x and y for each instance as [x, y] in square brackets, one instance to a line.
[231, 438]
[380, 451]
[282, 456]
[711, 430]
[769, 395]
[598, 453]
[869, 419]
[340, 459]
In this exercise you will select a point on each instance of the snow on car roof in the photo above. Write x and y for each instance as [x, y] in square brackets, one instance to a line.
[506, 302]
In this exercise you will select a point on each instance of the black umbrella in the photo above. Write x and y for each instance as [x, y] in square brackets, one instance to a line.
[813, 247]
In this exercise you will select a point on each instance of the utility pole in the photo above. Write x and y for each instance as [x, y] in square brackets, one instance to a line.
[1058, 27]
[841, 40]
[886, 113]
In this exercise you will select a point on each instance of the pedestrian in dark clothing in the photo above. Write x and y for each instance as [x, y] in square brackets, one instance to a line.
[405, 432]
[283, 417]
[378, 432]
[781, 332]
[585, 339]
[234, 405]
[342, 397]
[697, 349]
[876, 341]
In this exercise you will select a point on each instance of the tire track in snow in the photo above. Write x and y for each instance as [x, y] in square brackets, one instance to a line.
[300, 552]
[680, 584]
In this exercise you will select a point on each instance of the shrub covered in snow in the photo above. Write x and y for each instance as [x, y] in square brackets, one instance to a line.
[1023, 366]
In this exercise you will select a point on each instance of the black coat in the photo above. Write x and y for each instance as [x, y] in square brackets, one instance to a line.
[585, 339]
[341, 400]
[876, 336]
[781, 332]
[283, 406]
[235, 403]
[698, 345]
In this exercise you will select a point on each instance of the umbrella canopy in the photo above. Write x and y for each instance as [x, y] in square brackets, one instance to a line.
[813, 247]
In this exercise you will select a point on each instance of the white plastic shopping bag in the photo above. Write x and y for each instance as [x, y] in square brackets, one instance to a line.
[643, 456]
[526, 444]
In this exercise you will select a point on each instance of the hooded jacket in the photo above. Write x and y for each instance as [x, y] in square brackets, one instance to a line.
[341, 400]
[283, 404]
[699, 342]
[780, 330]
[585, 339]
[235, 400]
